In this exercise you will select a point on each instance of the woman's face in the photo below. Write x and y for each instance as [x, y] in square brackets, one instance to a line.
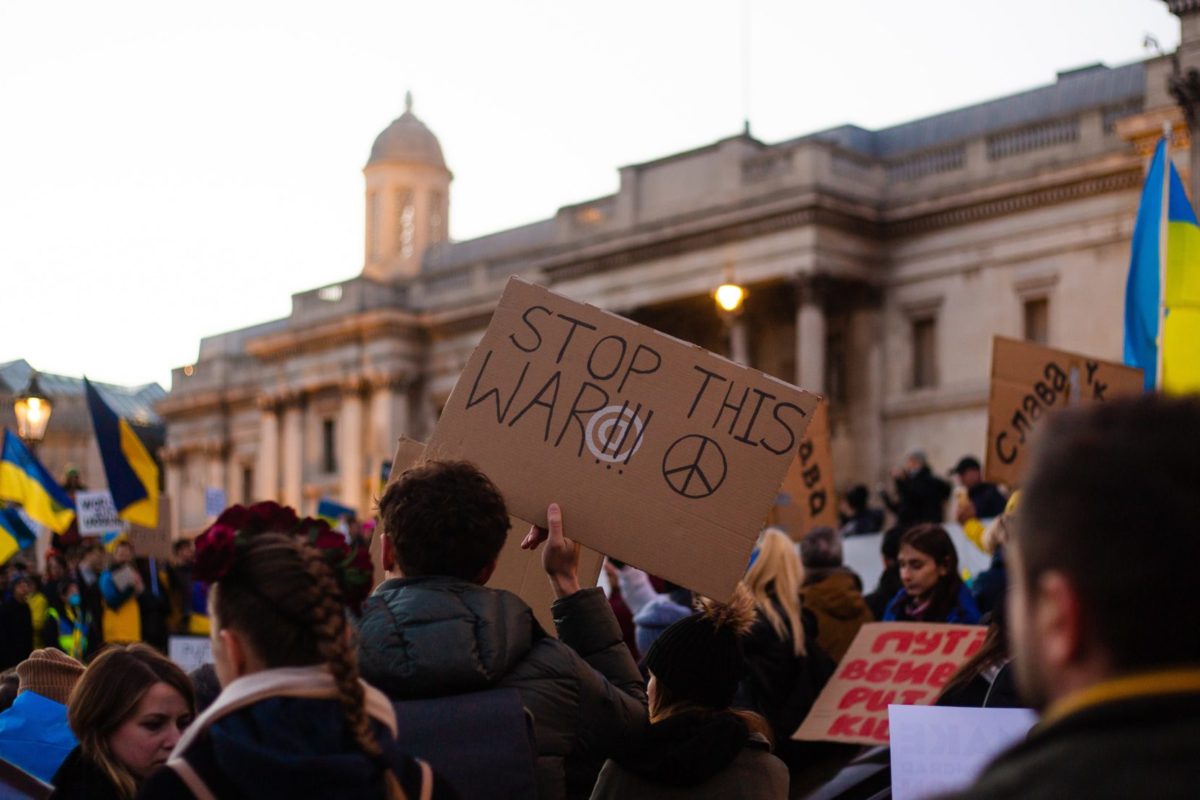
[918, 571]
[145, 740]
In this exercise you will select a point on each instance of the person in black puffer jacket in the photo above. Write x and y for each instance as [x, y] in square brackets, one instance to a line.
[439, 631]
[697, 747]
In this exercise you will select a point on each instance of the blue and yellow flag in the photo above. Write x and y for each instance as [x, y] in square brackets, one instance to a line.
[332, 512]
[15, 535]
[132, 473]
[24, 481]
[1144, 295]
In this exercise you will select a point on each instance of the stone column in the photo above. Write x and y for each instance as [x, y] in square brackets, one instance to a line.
[174, 460]
[866, 389]
[266, 473]
[350, 444]
[292, 468]
[811, 291]
[388, 419]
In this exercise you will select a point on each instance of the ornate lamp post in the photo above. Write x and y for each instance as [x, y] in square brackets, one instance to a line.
[32, 408]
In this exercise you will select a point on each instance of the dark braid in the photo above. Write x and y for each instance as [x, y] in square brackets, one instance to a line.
[284, 596]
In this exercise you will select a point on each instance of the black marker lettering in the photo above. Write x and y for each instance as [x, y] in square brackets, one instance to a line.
[591, 362]
[551, 386]
[708, 376]
[578, 409]
[736, 408]
[791, 434]
[525, 318]
[495, 391]
[645, 370]
[745, 437]
[575, 323]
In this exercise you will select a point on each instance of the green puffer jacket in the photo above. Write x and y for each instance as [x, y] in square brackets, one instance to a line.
[434, 636]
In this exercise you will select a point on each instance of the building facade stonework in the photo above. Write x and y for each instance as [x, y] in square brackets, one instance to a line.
[879, 265]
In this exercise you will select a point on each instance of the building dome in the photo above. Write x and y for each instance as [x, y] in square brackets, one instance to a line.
[407, 141]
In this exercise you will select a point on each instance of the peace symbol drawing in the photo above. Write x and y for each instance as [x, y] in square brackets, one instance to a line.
[694, 466]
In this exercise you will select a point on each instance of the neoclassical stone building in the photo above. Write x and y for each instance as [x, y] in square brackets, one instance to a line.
[878, 264]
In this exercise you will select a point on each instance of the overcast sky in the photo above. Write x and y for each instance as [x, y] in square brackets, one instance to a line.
[169, 171]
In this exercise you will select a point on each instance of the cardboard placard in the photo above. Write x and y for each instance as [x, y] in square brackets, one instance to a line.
[97, 513]
[889, 663]
[189, 652]
[806, 499]
[937, 751]
[661, 454]
[517, 570]
[1029, 380]
[154, 542]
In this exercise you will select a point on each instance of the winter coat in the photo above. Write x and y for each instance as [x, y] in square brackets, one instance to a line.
[990, 586]
[268, 738]
[653, 613]
[964, 612]
[80, 778]
[122, 621]
[695, 755]
[779, 684]
[1144, 745]
[920, 498]
[987, 499]
[67, 628]
[436, 636]
[835, 598]
[16, 633]
[93, 603]
[35, 736]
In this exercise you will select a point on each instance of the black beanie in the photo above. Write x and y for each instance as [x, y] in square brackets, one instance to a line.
[699, 658]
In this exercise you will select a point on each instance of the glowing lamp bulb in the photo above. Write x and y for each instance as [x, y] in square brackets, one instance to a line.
[729, 296]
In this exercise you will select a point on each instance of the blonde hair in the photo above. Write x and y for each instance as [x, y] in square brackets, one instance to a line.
[776, 578]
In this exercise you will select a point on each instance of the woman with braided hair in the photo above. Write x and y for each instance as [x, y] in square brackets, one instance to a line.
[293, 719]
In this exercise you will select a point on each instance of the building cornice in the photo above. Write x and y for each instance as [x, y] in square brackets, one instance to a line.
[326, 335]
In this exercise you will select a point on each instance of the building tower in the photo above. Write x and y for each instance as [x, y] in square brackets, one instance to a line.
[408, 197]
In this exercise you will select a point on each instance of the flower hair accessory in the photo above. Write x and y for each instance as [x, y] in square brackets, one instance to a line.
[218, 548]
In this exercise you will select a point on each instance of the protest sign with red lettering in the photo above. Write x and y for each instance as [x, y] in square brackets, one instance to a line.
[806, 499]
[518, 571]
[660, 453]
[1028, 381]
[889, 663]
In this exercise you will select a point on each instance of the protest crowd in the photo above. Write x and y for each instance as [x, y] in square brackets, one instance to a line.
[326, 682]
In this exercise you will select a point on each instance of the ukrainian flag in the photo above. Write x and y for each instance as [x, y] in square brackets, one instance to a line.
[132, 473]
[1144, 293]
[23, 480]
[15, 535]
[332, 511]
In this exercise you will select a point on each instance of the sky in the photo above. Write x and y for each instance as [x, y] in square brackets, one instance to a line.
[170, 171]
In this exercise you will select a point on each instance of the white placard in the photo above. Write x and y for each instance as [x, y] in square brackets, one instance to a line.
[214, 501]
[189, 652]
[97, 513]
[938, 749]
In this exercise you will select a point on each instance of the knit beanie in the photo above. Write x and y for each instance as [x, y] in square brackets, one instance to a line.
[699, 658]
[50, 673]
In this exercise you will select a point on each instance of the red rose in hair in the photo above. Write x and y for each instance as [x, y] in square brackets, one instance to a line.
[270, 516]
[234, 517]
[215, 552]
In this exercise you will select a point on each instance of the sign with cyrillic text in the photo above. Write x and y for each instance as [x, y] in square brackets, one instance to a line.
[889, 663]
[659, 452]
[806, 499]
[1028, 381]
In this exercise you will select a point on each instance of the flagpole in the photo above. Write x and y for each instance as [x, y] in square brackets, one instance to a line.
[1162, 255]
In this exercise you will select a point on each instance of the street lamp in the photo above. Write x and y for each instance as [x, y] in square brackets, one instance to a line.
[730, 298]
[32, 408]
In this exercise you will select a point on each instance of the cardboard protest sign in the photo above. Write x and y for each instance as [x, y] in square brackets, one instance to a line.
[806, 499]
[1029, 380]
[518, 571]
[97, 513]
[889, 663]
[660, 453]
[938, 751]
[154, 542]
[189, 652]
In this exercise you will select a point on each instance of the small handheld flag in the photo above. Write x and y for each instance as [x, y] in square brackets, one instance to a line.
[132, 473]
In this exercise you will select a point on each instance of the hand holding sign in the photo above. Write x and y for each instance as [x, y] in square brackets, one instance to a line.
[560, 558]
